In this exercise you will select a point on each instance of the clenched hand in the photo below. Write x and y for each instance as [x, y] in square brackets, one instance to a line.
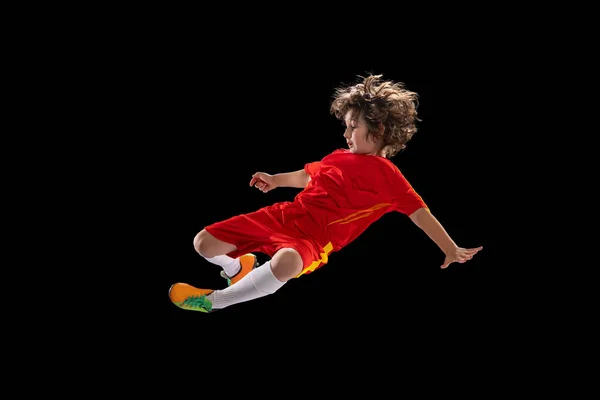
[263, 181]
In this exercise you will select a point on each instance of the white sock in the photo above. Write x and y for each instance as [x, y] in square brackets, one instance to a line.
[231, 266]
[258, 283]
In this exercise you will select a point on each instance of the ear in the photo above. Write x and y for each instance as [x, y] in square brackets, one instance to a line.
[381, 128]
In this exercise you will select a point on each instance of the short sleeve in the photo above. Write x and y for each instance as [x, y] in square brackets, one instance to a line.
[405, 199]
[409, 202]
[312, 168]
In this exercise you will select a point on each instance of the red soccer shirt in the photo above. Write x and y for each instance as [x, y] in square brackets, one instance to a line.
[348, 192]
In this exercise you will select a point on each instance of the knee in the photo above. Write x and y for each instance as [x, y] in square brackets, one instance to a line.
[286, 264]
[202, 244]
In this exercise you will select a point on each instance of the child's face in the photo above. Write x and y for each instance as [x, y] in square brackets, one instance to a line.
[356, 136]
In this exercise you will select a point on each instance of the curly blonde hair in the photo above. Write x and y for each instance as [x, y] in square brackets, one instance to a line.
[381, 103]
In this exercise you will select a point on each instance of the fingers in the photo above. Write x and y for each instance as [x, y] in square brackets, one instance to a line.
[463, 256]
[470, 252]
[263, 187]
[256, 180]
[475, 249]
[257, 177]
[260, 185]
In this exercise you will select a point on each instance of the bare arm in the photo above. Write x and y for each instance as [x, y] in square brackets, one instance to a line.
[265, 182]
[432, 227]
[436, 232]
[296, 179]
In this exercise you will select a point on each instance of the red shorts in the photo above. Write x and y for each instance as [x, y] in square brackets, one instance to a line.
[270, 229]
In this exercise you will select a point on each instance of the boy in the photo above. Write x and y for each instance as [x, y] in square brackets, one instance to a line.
[342, 195]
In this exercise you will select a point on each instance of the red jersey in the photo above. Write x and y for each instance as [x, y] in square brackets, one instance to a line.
[347, 192]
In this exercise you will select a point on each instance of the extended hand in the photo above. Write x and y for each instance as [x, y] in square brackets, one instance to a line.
[263, 181]
[460, 255]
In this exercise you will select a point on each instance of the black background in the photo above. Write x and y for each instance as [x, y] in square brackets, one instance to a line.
[205, 117]
[175, 113]
[241, 116]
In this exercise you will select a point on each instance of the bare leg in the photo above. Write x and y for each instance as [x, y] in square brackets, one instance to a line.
[215, 251]
[209, 246]
[286, 264]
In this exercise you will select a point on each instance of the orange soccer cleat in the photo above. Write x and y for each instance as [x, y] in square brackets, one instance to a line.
[190, 298]
[248, 263]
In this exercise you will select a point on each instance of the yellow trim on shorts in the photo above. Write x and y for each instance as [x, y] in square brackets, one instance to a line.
[323, 260]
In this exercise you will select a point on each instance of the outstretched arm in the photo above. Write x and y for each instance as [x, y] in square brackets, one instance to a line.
[436, 232]
[265, 182]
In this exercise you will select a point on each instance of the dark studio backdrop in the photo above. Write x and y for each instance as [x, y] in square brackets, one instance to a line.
[191, 115]
[227, 123]
[202, 108]
[214, 116]
[208, 115]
